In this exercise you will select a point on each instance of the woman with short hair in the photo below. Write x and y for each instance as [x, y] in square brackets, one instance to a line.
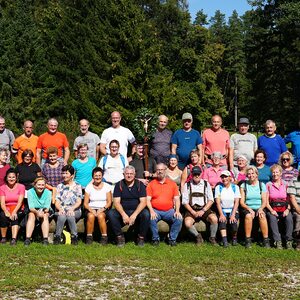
[289, 173]
[264, 173]
[4, 166]
[173, 172]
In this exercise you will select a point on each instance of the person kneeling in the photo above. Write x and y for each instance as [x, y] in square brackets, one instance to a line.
[39, 201]
[68, 201]
[197, 198]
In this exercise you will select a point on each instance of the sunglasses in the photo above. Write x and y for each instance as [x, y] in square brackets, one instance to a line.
[285, 159]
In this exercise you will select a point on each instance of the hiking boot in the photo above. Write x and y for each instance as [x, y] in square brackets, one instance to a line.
[278, 245]
[298, 246]
[74, 240]
[140, 241]
[213, 241]
[266, 243]
[172, 243]
[3, 241]
[225, 244]
[289, 245]
[45, 242]
[27, 242]
[155, 243]
[199, 239]
[56, 240]
[104, 240]
[89, 240]
[13, 242]
[234, 242]
[120, 241]
[248, 243]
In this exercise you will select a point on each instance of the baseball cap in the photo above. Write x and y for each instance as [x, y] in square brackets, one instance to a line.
[196, 170]
[187, 116]
[225, 173]
[242, 157]
[244, 121]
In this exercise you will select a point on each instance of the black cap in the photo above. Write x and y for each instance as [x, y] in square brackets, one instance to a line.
[196, 170]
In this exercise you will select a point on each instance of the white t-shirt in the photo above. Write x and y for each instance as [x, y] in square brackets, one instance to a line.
[98, 197]
[113, 169]
[227, 197]
[121, 134]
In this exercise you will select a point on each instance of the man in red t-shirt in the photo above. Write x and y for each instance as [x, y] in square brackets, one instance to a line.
[52, 138]
[164, 203]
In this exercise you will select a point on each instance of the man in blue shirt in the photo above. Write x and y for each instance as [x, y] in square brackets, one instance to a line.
[294, 139]
[185, 140]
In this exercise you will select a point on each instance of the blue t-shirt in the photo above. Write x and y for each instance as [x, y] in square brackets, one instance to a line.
[83, 171]
[186, 141]
[294, 138]
[264, 174]
[253, 194]
[273, 146]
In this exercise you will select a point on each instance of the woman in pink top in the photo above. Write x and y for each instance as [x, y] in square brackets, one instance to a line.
[212, 174]
[240, 173]
[11, 197]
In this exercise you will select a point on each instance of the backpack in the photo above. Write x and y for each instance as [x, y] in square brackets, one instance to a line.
[233, 186]
[105, 160]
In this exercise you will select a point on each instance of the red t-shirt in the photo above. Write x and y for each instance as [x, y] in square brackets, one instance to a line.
[162, 194]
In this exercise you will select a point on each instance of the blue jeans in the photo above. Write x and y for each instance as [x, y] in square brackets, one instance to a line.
[167, 216]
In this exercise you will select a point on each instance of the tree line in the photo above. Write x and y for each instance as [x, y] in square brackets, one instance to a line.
[72, 59]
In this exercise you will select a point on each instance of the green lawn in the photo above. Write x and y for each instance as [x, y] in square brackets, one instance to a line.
[182, 272]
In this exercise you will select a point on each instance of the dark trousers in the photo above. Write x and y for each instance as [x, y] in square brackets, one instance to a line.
[141, 223]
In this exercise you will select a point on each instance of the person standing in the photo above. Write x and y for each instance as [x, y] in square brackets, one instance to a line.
[7, 138]
[294, 139]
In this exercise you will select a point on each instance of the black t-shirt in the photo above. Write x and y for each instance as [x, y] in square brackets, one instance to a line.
[130, 196]
[139, 166]
[27, 174]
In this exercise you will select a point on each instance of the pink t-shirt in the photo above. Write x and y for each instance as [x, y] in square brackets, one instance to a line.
[216, 141]
[12, 196]
[277, 194]
[3, 171]
[212, 176]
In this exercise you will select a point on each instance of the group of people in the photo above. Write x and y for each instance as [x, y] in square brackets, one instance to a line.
[187, 177]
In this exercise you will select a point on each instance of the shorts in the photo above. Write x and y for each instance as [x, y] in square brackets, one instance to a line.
[223, 225]
[198, 208]
[5, 221]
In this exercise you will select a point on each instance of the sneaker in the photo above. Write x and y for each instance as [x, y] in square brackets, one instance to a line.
[289, 245]
[172, 243]
[213, 241]
[89, 240]
[199, 239]
[155, 243]
[27, 242]
[13, 242]
[266, 243]
[278, 245]
[45, 242]
[225, 244]
[104, 240]
[56, 240]
[248, 243]
[297, 246]
[140, 241]
[74, 240]
[120, 241]
[234, 242]
[3, 241]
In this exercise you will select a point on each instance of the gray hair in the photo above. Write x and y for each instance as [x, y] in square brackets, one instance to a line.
[129, 167]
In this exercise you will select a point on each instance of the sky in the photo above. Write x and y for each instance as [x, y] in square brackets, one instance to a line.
[225, 6]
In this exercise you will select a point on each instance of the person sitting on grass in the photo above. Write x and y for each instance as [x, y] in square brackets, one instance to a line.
[279, 208]
[68, 202]
[97, 200]
[253, 202]
[39, 201]
[197, 198]
[129, 200]
[227, 197]
[11, 197]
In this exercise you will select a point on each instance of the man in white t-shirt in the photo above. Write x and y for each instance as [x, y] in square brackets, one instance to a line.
[116, 132]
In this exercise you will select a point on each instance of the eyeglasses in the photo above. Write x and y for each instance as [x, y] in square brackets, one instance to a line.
[224, 176]
[187, 121]
[285, 159]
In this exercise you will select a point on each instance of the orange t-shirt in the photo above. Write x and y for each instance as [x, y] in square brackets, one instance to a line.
[58, 140]
[162, 194]
[22, 143]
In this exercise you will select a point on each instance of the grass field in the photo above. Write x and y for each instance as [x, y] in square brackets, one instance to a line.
[182, 272]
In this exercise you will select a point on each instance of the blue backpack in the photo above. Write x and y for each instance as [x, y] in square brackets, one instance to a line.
[105, 160]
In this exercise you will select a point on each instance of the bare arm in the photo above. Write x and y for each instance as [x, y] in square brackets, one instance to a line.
[230, 163]
[97, 152]
[200, 151]
[173, 148]
[38, 156]
[294, 203]
[102, 148]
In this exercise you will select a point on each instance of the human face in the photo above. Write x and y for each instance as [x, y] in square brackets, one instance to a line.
[27, 159]
[115, 119]
[67, 177]
[194, 159]
[129, 175]
[40, 186]
[197, 178]
[114, 149]
[84, 127]
[3, 157]
[216, 160]
[226, 180]
[187, 124]
[216, 123]
[161, 172]
[252, 176]
[97, 177]
[140, 150]
[83, 152]
[162, 122]
[52, 158]
[260, 159]
[276, 174]
[286, 161]
[28, 128]
[270, 129]
[11, 179]
[52, 126]
[243, 128]
[2, 124]
[242, 163]
[173, 162]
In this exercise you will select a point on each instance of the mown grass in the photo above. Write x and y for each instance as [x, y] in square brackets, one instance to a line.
[182, 272]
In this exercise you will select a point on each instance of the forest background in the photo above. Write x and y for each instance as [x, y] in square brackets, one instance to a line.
[75, 59]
